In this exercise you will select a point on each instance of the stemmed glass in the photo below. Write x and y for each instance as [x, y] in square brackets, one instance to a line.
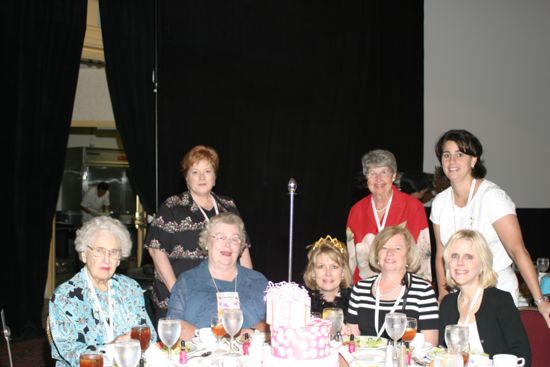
[457, 340]
[216, 324]
[143, 334]
[336, 316]
[396, 323]
[169, 332]
[410, 330]
[127, 353]
[542, 264]
[232, 321]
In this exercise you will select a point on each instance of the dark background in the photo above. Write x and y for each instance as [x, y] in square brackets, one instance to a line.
[289, 89]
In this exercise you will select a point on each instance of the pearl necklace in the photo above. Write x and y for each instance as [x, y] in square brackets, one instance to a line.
[390, 292]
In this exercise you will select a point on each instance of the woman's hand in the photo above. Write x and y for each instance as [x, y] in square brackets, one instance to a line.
[349, 329]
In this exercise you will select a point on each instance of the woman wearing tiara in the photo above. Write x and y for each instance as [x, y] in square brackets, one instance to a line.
[327, 275]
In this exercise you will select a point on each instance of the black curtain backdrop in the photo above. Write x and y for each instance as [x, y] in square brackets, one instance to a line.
[289, 89]
[41, 44]
[128, 39]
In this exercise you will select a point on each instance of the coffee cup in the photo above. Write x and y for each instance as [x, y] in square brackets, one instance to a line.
[508, 360]
[206, 336]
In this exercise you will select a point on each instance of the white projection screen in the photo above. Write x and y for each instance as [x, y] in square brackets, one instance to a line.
[487, 70]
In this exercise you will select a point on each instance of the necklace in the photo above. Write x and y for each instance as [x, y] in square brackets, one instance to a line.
[390, 292]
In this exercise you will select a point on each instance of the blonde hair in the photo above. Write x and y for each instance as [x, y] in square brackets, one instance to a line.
[334, 250]
[487, 276]
[413, 256]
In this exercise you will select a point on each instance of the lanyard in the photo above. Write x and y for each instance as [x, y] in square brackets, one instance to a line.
[215, 209]
[472, 305]
[376, 218]
[471, 211]
[377, 306]
[109, 325]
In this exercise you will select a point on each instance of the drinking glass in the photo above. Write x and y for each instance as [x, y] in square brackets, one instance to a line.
[396, 323]
[169, 332]
[457, 339]
[127, 353]
[216, 324]
[410, 330]
[542, 264]
[336, 316]
[232, 321]
[91, 360]
[448, 360]
[143, 334]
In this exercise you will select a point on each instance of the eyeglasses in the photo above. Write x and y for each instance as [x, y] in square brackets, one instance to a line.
[456, 155]
[102, 252]
[385, 173]
[221, 239]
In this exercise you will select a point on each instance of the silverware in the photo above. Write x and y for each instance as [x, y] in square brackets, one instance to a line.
[205, 354]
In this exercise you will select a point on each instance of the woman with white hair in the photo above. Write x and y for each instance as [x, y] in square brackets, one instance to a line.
[96, 307]
[384, 206]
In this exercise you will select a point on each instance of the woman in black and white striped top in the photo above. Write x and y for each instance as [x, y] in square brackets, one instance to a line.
[395, 289]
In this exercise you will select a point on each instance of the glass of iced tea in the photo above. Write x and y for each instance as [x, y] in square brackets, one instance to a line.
[143, 334]
[91, 360]
[410, 330]
[217, 328]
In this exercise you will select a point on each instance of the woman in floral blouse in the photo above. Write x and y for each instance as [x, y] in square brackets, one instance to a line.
[173, 236]
[96, 307]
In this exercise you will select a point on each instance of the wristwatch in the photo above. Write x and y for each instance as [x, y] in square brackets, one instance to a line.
[539, 301]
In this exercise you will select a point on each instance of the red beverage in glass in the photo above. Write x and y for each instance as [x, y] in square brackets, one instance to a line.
[465, 357]
[409, 335]
[218, 330]
[91, 360]
[143, 334]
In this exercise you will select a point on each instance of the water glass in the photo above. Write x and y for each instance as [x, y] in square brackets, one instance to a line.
[127, 353]
[232, 321]
[336, 316]
[169, 331]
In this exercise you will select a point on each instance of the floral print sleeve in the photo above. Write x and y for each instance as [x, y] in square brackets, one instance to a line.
[76, 326]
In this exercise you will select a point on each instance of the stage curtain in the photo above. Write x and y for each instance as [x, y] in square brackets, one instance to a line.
[41, 46]
[128, 28]
[289, 89]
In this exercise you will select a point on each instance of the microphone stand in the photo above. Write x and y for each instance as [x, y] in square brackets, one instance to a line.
[7, 333]
[292, 185]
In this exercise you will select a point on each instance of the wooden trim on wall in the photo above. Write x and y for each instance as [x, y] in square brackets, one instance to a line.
[93, 41]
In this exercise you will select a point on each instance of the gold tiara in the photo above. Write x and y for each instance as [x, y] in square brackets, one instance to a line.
[333, 241]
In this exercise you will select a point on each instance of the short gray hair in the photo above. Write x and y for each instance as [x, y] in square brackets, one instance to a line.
[378, 158]
[225, 218]
[89, 230]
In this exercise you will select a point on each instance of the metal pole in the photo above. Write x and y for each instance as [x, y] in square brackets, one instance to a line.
[292, 185]
[7, 334]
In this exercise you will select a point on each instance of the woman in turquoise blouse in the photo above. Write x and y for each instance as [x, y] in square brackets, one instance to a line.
[96, 307]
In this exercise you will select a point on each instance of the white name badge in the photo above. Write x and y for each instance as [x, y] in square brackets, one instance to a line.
[228, 301]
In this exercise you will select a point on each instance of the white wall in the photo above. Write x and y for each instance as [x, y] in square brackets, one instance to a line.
[487, 70]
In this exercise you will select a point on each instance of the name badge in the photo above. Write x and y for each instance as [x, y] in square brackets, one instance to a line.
[228, 301]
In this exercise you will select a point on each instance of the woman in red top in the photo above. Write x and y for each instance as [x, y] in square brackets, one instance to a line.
[384, 206]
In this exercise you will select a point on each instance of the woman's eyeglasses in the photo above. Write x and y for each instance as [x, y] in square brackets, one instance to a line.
[102, 252]
[221, 239]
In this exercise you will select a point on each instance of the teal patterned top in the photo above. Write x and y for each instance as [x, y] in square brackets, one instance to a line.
[76, 327]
